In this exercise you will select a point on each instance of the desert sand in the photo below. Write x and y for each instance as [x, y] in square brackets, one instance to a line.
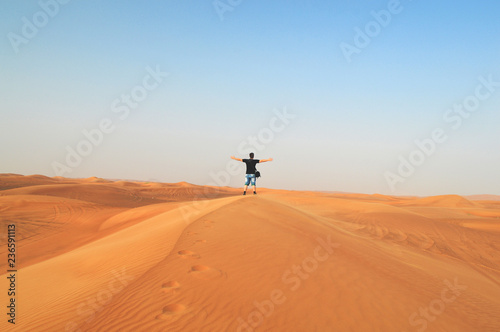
[101, 255]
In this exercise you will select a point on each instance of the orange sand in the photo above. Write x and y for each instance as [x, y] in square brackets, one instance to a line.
[98, 255]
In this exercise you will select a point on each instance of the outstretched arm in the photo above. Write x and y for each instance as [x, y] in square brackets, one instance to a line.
[233, 157]
[264, 160]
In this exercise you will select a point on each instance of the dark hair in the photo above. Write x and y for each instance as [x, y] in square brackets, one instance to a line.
[251, 155]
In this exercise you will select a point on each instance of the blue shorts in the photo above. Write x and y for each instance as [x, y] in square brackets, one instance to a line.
[248, 178]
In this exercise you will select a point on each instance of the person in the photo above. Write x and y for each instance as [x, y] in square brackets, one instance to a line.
[250, 175]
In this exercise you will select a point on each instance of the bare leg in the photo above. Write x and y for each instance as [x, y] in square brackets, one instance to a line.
[254, 189]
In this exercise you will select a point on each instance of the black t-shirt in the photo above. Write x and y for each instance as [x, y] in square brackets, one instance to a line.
[251, 165]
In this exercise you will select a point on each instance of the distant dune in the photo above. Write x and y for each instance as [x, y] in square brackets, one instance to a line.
[484, 197]
[101, 255]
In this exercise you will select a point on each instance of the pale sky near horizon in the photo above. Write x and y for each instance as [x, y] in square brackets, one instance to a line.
[361, 81]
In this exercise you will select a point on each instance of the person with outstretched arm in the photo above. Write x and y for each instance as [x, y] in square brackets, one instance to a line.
[250, 175]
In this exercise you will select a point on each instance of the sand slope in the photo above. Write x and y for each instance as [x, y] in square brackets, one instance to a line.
[92, 259]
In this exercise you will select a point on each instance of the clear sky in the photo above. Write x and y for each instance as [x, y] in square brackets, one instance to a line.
[337, 92]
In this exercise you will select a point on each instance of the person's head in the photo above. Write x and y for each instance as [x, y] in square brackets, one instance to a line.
[251, 155]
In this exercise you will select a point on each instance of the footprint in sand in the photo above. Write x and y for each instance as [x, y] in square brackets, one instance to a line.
[192, 233]
[208, 223]
[204, 272]
[171, 311]
[170, 287]
[200, 241]
[188, 254]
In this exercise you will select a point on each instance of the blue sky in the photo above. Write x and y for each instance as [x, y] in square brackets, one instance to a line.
[353, 120]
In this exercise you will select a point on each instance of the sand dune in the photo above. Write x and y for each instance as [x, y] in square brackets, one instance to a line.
[100, 255]
[484, 197]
